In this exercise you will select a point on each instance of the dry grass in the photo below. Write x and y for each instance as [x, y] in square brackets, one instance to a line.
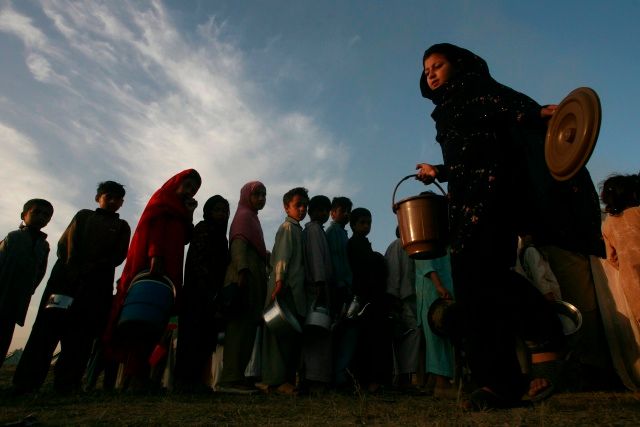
[331, 409]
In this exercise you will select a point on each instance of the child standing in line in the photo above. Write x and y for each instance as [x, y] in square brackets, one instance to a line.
[247, 275]
[533, 265]
[433, 281]
[621, 232]
[316, 346]
[401, 284]
[89, 250]
[207, 261]
[374, 350]
[344, 333]
[158, 243]
[280, 355]
[23, 262]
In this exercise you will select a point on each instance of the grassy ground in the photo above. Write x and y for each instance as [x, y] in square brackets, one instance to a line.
[97, 408]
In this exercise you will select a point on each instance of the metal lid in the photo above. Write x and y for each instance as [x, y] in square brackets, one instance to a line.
[572, 133]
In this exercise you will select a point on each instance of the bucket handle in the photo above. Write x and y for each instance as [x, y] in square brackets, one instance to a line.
[394, 206]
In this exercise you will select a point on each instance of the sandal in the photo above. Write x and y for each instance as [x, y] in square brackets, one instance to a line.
[287, 389]
[551, 373]
[484, 399]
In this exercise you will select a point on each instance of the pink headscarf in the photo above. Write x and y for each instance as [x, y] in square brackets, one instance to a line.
[245, 224]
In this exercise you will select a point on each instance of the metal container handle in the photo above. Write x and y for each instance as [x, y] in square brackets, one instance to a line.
[394, 207]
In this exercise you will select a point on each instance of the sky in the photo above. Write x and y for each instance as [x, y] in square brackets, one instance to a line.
[321, 94]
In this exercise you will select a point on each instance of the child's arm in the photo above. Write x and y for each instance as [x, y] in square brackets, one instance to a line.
[541, 274]
[122, 247]
[157, 250]
[437, 282]
[42, 268]
[282, 253]
[238, 254]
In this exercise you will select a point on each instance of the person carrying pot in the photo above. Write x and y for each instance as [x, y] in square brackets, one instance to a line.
[475, 117]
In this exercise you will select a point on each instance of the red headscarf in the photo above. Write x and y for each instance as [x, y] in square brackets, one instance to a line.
[245, 224]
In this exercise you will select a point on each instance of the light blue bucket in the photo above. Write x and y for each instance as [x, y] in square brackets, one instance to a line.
[147, 306]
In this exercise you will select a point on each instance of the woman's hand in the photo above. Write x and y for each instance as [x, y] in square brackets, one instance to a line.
[548, 110]
[426, 173]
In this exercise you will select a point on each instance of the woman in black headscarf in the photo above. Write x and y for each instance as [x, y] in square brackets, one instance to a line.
[477, 120]
[207, 261]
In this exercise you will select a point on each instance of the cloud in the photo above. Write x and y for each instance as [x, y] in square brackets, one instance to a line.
[134, 95]
[22, 27]
[354, 40]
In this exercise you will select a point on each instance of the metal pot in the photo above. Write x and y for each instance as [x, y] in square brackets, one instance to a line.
[569, 316]
[423, 222]
[59, 301]
[318, 317]
[280, 320]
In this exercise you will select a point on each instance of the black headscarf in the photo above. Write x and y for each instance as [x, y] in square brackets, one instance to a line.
[467, 67]
[210, 203]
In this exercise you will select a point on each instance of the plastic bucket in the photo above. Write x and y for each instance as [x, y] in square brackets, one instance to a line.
[423, 221]
[147, 306]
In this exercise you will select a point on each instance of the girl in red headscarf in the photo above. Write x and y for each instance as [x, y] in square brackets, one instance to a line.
[158, 246]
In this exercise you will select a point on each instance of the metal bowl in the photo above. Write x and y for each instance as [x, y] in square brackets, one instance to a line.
[280, 320]
[569, 316]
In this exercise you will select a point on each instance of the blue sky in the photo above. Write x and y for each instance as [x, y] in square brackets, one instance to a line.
[322, 94]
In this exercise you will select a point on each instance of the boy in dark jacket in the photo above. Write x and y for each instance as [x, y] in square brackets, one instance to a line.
[23, 262]
[92, 246]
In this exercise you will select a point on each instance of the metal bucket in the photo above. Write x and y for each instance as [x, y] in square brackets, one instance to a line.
[280, 320]
[318, 318]
[147, 306]
[424, 223]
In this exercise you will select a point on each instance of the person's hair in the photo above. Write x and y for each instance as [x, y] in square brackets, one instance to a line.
[341, 202]
[358, 213]
[110, 187]
[319, 202]
[298, 191]
[36, 202]
[210, 204]
[619, 192]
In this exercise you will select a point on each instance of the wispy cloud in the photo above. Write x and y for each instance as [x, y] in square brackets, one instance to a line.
[142, 99]
[119, 90]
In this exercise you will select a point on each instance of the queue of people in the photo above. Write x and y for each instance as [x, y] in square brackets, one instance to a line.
[380, 332]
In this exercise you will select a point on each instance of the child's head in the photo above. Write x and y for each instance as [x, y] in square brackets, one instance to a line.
[341, 209]
[443, 62]
[36, 213]
[295, 203]
[110, 195]
[258, 196]
[360, 221]
[319, 207]
[216, 209]
[619, 192]
[189, 185]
